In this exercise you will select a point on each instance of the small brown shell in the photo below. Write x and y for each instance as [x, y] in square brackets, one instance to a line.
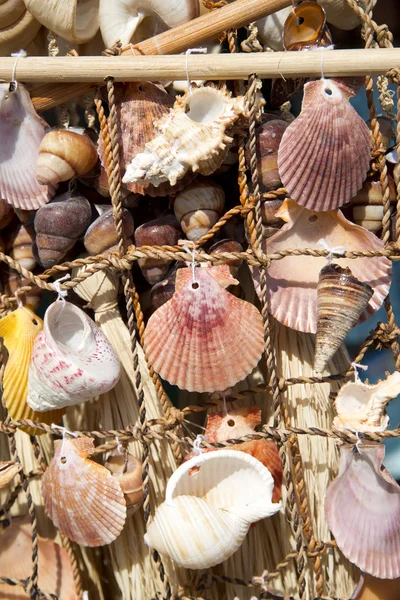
[19, 245]
[162, 231]
[268, 138]
[127, 469]
[102, 236]
[8, 470]
[6, 213]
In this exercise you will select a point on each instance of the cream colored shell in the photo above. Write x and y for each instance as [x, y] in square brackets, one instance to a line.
[18, 27]
[198, 207]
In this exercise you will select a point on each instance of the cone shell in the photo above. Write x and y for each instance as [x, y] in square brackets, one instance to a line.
[19, 330]
[55, 570]
[192, 137]
[204, 339]
[8, 470]
[362, 507]
[324, 155]
[72, 360]
[64, 154]
[341, 299]
[81, 497]
[361, 407]
[21, 131]
[292, 281]
[198, 207]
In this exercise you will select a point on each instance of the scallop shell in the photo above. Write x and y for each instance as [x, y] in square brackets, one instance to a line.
[8, 470]
[292, 281]
[211, 501]
[55, 570]
[21, 131]
[361, 407]
[19, 330]
[73, 20]
[81, 497]
[325, 153]
[204, 339]
[72, 360]
[362, 508]
[341, 299]
[193, 136]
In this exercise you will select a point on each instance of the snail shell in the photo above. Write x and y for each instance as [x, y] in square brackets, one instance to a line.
[162, 231]
[102, 234]
[19, 245]
[198, 207]
[268, 138]
[127, 469]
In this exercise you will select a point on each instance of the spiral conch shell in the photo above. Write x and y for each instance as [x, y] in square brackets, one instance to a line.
[204, 339]
[81, 497]
[207, 513]
[361, 407]
[193, 136]
[72, 360]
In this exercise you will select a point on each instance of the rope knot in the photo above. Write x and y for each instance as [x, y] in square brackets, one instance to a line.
[386, 336]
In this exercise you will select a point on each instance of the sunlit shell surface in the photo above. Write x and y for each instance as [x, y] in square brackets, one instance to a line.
[8, 470]
[324, 155]
[72, 360]
[192, 137]
[81, 497]
[55, 570]
[362, 508]
[204, 339]
[292, 281]
[21, 131]
[19, 330]
[361, 407]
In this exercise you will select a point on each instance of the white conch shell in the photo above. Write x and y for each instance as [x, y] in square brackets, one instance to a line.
[72, 360]
[361, 407]
[194, 140]
[211, 501]
[74, 20]
[135, 20]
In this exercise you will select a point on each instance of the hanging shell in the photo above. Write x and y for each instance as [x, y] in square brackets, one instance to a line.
[206, 515]
[19, 245]
[127, 469]
[268, 138]
[102, 235]
[72, 360]
[305, 27]
[81, 497]
[318, 175]
[73, 20]
[18, 28]
[193, 136]
[21, 131]
[341, 299]
[292, 281]
[8, 470]
[19, 330]
[362, 507]
[59, 225]
[63, 154]
[361, 407]
[198, 207]
[204, 339]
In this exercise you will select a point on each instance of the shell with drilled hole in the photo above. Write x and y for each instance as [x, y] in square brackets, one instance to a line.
[361, 406]
[204, 339]
[72, 360]
[194, 136]
[81, 497]
[210, 503]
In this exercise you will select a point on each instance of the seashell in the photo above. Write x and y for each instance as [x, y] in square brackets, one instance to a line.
[305, 27]
[369, 217]
[193, 136]
[12, 281]
[127, 469]
[163, 291]
[228, 246]
[19, 245]
[270, 28]
[59, 225]
[136, 20]
[270, 223]
[268, 138]
[162, 231]
[385, 129]
[64, 154]
[102, 235]
[372, 588]
[11, 11]
[198, 207]
[18, 28]
[6, 211]
[361, 407]
[371, 193]
[19, 330]
[368, 530]
[21, 131]
[206, 515]
[72, 361]
[8, 470]
[340, 14]
[81, 497]
[73, 20]
[204, 339]
[55, 569]
[341, 299]
[292, 281]
[322, 176]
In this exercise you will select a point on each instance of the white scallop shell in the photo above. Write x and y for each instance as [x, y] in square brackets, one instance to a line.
[72, 360]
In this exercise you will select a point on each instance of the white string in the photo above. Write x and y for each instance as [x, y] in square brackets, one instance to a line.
[120, 448]
[57, 287]
[336, 250]
[192, 51]
[64, 433]
[197, 442]
[192, 252]
[357, 366]
[18, 299]
[85, 595]
[17, 55]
